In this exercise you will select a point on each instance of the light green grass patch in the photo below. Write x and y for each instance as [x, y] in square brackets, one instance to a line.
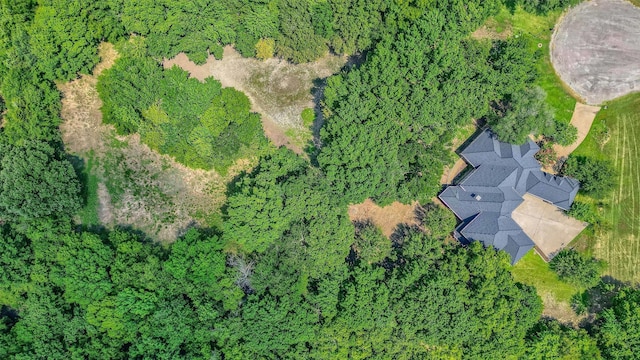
[619, 245]
[534, 271]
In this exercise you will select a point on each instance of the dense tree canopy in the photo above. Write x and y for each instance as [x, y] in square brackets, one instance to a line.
[286, 275]
[389, 120]
[35, 183]
[618, 327]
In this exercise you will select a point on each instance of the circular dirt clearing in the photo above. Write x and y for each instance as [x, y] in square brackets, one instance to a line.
[596, 49]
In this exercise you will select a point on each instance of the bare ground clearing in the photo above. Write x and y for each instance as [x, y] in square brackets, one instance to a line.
[491, 30]
[560, 311]
[137, 186]
[385, 218]
[278, 90]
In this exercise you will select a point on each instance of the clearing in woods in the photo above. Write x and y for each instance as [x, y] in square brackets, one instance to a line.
[126, 182]
[619, 245]
[385, 218]
[278, 90]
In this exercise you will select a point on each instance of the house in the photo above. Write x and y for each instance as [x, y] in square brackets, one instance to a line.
[486, 197]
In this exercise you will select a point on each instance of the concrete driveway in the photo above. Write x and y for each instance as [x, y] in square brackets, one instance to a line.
[548, 227]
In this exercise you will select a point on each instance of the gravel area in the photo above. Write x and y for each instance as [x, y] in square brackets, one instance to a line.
[596, 49]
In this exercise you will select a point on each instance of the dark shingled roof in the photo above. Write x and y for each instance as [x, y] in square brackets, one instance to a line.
[485, 199]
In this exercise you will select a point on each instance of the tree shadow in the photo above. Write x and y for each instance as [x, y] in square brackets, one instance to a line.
[511, 6]
[80, 169]
[597, 299]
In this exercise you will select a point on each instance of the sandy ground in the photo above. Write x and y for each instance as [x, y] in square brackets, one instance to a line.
[596, 49]
[488, 31]
[278, 90]
[560, 311]
[549, 227]
[161, 197]
[385, 218]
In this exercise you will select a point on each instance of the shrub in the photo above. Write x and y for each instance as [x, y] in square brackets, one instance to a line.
[542, 6]
[546, 156]
[586, 212]
[198, 123]
[563, 133]
[601, 134]
[265, 48]
[308, 117]
[576, 268]
[596, 176]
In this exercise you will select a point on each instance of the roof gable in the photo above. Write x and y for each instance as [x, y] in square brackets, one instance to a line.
[485, 199]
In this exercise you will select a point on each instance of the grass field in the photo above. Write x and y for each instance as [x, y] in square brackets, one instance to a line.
[619, 246]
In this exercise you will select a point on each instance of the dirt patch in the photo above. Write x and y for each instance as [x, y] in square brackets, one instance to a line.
[278, 90]
[560, 311]
[137, 186]
[491, 31]
[595, 49]
[385, 218]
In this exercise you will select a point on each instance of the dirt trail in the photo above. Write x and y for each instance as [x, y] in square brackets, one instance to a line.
[385, 218]
[278, 90]
[137, 186]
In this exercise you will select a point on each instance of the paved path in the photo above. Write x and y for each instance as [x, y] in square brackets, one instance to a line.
[582, 118]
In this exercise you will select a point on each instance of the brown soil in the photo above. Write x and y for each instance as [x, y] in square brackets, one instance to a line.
[560, 311]
[159, 196]
[278, 90]
[488, 31]
[493, 31]
[385, 218]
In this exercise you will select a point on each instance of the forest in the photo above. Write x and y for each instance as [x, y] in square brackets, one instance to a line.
[286, 275]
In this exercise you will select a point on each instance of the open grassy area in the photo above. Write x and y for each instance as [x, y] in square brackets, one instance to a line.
[534, 271]
[538, 30]
[619, 245]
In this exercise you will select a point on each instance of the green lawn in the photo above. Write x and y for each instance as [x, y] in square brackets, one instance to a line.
[534, 271]
[619, 246]
[538, 29]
